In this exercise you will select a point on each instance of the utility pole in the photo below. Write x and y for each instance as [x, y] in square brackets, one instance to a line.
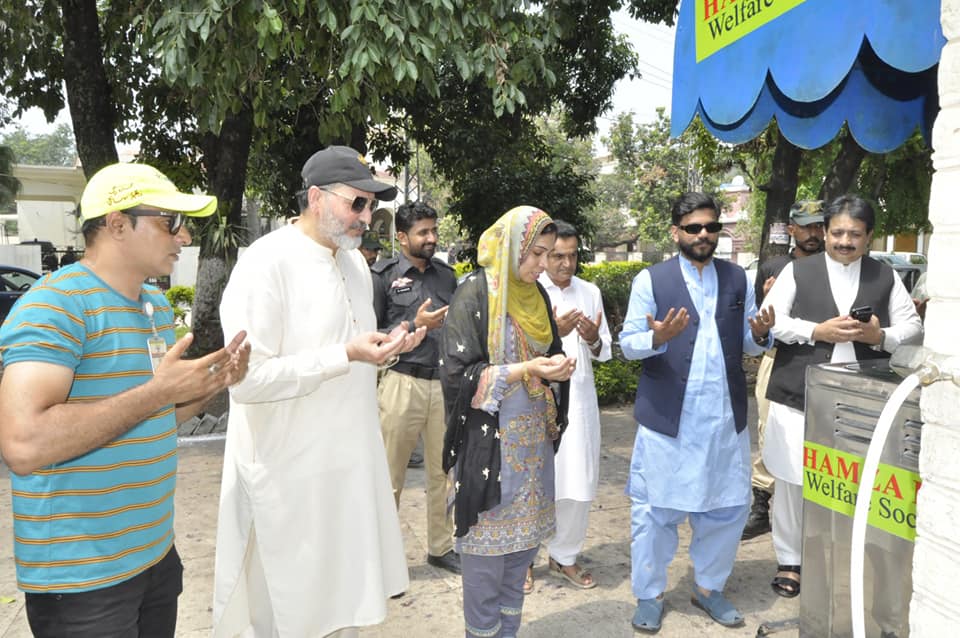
[411, 179]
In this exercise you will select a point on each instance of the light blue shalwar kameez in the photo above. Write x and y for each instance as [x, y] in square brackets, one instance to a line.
[704, 473]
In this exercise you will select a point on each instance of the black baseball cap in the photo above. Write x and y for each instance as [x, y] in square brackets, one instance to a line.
[344, 165]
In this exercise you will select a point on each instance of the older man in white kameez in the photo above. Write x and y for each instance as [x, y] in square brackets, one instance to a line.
[309, 543]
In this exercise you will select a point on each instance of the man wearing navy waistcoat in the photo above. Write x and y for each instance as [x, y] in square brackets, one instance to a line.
[691, 319]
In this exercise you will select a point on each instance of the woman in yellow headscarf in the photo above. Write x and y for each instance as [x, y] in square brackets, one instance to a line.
[504, 384]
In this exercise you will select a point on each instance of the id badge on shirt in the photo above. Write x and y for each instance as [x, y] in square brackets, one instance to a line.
[157, 347]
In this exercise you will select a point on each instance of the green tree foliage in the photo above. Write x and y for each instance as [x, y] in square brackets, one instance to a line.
[566, 150]
[527, 178]
[49, 46]
[614, 278]
[664, 11]
[653, 169]
[495, 162]
[9, 185]
[45, 149]
[334, 73]
[205, 87]
[610, 213]
[432, 188]
[325, 72]
[897, 183]
[616, 381]
[180, 298]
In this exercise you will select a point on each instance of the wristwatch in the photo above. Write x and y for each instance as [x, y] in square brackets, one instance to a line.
[596, 344]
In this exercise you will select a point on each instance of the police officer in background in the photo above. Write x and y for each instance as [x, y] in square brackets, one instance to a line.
[416, 287]
[806, 228]
[370, 247]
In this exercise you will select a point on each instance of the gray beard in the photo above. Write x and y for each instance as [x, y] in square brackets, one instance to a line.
[337, 232]
[346, 242]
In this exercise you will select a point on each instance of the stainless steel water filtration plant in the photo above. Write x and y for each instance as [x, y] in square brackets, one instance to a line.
[843, 404]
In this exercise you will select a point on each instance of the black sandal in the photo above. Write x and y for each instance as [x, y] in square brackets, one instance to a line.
[784, 586]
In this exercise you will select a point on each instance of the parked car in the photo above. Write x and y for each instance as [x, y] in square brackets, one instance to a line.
[13, 283]
[917, 259]
[908, 272]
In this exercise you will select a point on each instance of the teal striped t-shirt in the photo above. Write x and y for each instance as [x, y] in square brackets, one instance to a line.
[106, 516]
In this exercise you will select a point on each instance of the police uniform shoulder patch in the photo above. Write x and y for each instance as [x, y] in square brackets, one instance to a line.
[381, 265]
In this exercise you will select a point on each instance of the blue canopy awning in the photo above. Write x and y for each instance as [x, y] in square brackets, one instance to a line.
[870, 63]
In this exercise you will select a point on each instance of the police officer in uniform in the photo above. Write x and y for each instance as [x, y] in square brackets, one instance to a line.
[416, 287]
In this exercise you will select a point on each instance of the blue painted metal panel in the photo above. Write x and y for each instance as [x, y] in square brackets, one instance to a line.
[870, 63]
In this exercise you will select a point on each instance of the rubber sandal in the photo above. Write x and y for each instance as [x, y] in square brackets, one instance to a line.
[717, 607]
[784, 585]
[579, 577]
[528, 581]
[648, 616]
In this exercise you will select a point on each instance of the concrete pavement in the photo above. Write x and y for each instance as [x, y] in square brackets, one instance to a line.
[431, 608]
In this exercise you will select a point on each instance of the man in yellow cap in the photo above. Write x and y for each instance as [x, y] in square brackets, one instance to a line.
[92, 392]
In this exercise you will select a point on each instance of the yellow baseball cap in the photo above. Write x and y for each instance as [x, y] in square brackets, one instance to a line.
[123, 186]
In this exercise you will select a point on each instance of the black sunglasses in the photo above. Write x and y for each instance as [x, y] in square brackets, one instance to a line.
[358, 203]
[174, 220]
[694, 229]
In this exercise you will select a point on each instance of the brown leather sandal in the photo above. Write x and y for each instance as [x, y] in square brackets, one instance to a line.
[579, 578]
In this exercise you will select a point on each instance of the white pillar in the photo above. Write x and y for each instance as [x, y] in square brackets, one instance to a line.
[935, 608]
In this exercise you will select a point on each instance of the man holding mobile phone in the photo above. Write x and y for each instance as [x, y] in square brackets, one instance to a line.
[866, 315]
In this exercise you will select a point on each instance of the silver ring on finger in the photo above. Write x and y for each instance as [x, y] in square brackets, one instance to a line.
[213, 368]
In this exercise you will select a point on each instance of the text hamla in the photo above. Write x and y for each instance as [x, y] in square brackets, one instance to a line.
[827, 462]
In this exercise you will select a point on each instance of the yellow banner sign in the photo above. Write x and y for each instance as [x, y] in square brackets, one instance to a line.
[720, 23]
[831, 478]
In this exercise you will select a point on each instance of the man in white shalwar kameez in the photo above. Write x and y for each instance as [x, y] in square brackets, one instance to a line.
[578, 308]
[813, 302]
[308, 542]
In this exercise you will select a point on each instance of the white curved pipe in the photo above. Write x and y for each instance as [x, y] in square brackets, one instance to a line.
[864, 495]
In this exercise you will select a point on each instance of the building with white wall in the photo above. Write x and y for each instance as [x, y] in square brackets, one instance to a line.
[935, 606]
[45, 204]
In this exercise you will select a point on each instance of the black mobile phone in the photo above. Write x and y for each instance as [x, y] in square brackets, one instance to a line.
[862, 313]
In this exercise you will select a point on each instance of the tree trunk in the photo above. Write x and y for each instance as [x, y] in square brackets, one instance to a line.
[844, 169]
[212, 275]
[781, 192]
[88, 92]
[225, 157]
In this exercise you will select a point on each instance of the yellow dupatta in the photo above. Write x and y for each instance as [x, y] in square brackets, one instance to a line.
[502, 248]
